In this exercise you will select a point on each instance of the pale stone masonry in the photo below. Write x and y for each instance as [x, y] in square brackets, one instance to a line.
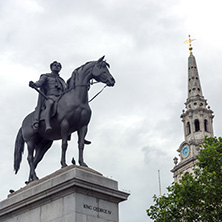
[197, 119]
[72, 194]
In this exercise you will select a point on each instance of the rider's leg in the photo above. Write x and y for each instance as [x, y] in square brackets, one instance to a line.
[48, 104]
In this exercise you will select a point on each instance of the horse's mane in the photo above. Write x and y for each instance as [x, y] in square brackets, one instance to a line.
[71, 81]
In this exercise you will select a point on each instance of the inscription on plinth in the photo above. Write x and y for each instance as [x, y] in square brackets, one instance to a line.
[97, 209]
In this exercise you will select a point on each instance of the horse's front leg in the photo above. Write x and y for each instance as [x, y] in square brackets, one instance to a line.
[81, 141]
[64, 133]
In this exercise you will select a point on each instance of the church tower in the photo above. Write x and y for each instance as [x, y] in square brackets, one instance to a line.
[197, 119]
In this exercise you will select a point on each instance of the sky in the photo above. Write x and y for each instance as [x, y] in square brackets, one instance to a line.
[136, 127]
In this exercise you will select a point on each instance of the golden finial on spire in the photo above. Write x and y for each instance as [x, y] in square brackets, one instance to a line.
[189, 41]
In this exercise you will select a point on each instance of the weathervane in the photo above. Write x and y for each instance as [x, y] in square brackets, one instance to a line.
[189, 41]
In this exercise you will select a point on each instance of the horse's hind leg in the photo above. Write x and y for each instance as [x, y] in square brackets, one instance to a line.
[81, 141]
[64, 148]
[40, 151]
[65, 137]
[32, 174]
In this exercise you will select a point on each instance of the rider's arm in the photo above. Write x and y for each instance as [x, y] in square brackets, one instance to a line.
[41, 81]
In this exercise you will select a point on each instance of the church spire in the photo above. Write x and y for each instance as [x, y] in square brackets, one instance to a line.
[194, 86]
[195, 94]
[197, 119]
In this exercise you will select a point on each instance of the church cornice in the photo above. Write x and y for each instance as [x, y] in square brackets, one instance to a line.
[192, 111]
[182, 164]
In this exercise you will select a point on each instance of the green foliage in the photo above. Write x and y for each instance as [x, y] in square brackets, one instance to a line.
[198, 196]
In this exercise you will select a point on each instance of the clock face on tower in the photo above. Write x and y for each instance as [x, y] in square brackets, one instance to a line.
[185, 152]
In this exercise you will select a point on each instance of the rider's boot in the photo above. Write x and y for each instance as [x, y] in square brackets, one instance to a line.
[87, 142]
[48, 128]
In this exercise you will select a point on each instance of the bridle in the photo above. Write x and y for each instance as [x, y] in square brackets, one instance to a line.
[90, 84]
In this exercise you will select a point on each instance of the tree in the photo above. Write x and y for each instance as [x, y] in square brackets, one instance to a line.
[198, 196]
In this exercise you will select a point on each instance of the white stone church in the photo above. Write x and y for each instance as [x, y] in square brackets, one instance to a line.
[197, 119]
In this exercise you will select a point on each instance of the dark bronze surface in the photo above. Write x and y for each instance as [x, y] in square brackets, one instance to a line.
[67, 113]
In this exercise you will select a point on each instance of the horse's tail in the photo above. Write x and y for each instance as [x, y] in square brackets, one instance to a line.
[19, 149]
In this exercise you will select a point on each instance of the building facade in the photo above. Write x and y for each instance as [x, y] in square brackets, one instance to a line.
[197, 118]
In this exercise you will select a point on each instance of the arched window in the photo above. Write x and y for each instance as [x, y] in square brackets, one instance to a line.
[205, 125]
[188, 131]
[197, 125]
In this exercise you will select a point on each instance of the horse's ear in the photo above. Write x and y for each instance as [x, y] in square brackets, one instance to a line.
[101, 59]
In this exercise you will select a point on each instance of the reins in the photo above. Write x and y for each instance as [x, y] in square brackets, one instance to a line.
[92, 83]
[97, 94]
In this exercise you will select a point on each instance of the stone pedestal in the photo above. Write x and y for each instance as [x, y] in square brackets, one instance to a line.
[72, 194]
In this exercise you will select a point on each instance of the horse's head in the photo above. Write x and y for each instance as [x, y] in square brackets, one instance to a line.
[101, 72]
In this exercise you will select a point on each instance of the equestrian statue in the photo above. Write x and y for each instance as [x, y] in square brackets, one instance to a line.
[62, 108]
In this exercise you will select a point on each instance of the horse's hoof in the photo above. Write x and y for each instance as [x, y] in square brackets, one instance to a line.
[64, 165]
[31, 180]
[83, 164]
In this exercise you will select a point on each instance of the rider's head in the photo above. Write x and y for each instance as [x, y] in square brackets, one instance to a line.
[55, 66]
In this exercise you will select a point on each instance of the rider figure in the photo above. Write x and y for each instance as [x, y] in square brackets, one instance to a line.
[51, 86]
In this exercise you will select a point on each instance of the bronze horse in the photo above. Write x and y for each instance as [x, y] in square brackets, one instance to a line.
[73, 113]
